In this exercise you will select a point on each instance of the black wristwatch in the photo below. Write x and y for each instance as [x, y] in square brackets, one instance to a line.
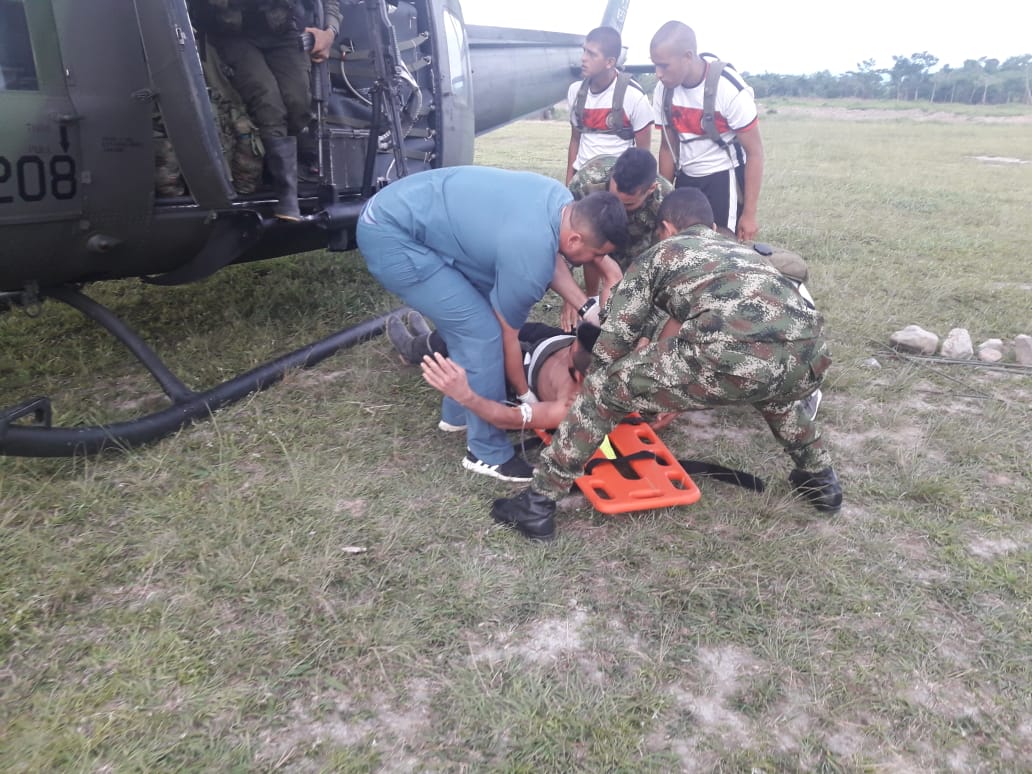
[587, 306]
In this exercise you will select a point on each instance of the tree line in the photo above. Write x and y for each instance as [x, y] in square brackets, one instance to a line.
[983, 81]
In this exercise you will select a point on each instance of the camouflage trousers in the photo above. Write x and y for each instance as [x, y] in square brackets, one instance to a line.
[674, 375]
[271, 75]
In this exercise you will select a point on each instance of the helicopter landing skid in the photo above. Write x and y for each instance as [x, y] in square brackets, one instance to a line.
[41, 439]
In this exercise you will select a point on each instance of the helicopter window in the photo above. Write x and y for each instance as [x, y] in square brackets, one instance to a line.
[458, 56]
[17, 69]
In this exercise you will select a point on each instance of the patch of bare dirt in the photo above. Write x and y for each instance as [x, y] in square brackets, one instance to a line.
[989, 548]
[543, 643]
[901, 437]
[355, 508]
[348, 725]
[547, 640]
[1001, 160]
[882, 114]
[701, 429]
[1008, 285]
[313, 377]
[722, 672]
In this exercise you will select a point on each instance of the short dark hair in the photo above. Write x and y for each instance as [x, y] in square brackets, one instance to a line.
[587, 335]
[608, 40]
[601, 217]
[634, 171]
[686, 207]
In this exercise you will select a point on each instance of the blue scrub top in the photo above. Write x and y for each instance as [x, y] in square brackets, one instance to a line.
[499, 228]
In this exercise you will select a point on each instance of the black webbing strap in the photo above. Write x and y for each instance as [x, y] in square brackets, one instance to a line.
[621, 463]
[723, 474]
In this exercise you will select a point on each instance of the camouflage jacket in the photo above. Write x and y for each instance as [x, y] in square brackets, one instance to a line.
[275, 16]
[641, 224]
[735, 311]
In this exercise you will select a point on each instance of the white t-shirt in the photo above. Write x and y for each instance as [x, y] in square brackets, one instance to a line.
[637, 115]
[734, 108]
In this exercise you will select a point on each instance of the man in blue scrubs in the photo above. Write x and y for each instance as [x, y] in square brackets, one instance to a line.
[474, 249]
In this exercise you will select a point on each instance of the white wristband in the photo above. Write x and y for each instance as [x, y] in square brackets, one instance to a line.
[593, 315]
[526, 413]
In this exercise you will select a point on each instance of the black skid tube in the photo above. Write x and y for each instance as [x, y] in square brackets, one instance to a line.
[29, 441]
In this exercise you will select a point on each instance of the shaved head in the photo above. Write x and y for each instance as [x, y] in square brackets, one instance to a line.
[685, 207]
[677, 36]
[675, 56]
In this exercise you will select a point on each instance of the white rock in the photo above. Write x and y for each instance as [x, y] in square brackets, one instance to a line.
[872, 362]
[914, 338]
[1023, 349]
[989, 355]
[957, 344]
[996, 344]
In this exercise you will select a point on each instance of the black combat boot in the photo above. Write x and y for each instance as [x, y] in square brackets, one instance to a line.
[529, 513]
[821, 489]
[281, 157]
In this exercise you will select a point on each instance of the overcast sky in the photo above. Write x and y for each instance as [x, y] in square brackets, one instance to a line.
[794, 36]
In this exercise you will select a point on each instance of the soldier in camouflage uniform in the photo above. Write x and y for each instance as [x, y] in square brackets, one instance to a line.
[241, 143]
[641, 193]
[746, 337]
[168, 177]
[258, 41]
[634, 177]
[241, 146]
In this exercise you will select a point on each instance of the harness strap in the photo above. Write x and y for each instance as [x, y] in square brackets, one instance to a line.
[616, 119]
[723, 474]
[621, 463]
[714, 69]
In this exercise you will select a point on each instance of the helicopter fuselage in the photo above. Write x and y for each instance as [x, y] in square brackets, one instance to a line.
[99, 98]
[88, 86]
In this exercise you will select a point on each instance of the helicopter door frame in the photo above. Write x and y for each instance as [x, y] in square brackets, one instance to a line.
[177, 81]
[456, 110]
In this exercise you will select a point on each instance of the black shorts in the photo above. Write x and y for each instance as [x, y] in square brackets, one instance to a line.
[723, 189]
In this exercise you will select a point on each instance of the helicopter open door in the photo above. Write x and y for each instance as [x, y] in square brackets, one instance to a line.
[384, 106]
[177, 82]
[456, 86]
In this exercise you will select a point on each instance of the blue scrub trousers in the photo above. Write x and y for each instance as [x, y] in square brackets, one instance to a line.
[426, 281]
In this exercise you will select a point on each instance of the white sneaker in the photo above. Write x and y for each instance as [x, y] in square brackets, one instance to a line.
[812, 402]
[805, 293]
[514, 469]
[449, 428]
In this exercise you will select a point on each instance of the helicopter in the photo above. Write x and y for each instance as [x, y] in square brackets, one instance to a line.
[83, 87]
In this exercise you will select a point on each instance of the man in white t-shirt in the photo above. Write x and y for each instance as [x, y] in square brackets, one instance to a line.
[687, 155]
[609, 112]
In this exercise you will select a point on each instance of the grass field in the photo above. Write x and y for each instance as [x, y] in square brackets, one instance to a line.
[310, 581]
